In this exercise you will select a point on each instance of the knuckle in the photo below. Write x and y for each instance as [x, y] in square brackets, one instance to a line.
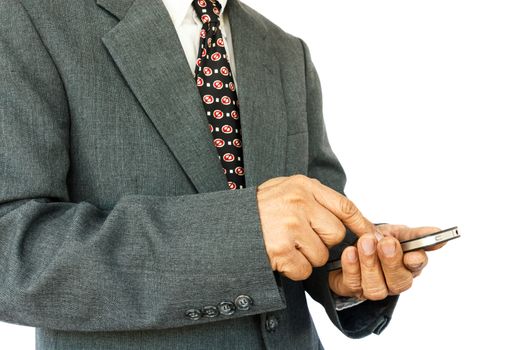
[295, 198]
[292, 269]
[375, 293]
[340, 233]
[307, 271]
[303, 181]
[335, 237]
[391, 264]
[347, 287]
[351, 291]
[281, 248]
[277, 263]
[325, 255]
[321, 257]
[352, 284]
[347, 207]
[271, 181]
[299, 178]
[315, 180]
[292, 223]
[302, 273]
[401, 286]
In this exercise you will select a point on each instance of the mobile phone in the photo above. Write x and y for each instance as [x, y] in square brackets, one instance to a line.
[414, 244]
[430, 240]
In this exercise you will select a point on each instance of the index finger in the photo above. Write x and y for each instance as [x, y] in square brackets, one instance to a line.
[343, 208]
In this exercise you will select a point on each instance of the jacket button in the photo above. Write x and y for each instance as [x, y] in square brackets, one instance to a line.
[226, 308]
[243, 302]
[210, 311]
[193, 314]
[271, 323]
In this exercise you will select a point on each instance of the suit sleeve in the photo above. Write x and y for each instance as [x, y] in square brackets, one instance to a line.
[370, 316]
[141, 264]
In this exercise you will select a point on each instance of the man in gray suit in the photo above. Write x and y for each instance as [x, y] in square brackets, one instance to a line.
[117, 226]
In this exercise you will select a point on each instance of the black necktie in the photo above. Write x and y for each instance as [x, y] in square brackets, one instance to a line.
[217, 89]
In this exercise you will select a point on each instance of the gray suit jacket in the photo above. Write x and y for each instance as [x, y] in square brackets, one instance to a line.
[115, 215]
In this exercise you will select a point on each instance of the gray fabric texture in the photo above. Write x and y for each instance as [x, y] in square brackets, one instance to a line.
[115, 215]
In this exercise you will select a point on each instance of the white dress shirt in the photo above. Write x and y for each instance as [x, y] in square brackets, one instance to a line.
[188, 27]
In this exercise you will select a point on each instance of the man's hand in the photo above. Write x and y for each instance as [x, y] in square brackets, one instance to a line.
[300, 219]
[375, 269]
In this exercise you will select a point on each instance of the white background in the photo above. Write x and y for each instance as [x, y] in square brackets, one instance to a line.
[424, 102]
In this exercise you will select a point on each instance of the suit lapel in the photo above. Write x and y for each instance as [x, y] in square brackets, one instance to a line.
[261, 101]
[146, 49]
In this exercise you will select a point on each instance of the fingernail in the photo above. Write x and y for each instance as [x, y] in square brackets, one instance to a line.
[389, 248]
[351, 256]
[379, 236]
[368, 245]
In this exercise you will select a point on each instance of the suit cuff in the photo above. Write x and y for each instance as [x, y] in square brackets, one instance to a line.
[367, 317]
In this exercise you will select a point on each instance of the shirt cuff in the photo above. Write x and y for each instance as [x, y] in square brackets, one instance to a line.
[342, 303]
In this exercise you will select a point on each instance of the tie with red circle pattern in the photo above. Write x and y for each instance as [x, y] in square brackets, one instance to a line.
[217, 89]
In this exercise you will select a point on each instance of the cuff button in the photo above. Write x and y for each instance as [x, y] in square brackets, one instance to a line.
[210, 311]
[193, 314]
[226, 308]
[243, 302]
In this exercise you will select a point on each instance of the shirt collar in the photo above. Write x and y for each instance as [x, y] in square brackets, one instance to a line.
[181, 8]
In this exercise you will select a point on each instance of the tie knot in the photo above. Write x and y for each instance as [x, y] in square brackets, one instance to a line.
[207, 10]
